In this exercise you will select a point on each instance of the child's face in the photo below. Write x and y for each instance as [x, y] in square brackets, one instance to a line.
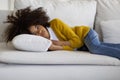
[39, 30]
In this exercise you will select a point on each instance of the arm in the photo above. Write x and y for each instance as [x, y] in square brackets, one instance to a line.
[65, 33]
[61, 43]
[58, 45]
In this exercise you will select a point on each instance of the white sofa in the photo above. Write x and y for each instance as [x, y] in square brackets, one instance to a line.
[102, 15]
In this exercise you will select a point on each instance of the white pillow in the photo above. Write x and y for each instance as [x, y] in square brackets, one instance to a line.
[29, 42]
[72, 12]
[111, 31]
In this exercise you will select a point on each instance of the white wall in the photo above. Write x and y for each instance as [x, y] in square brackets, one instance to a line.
[6, 4]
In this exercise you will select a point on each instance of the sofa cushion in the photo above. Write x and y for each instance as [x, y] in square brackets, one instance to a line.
[73, 12]
[106, 10]
[111, 30]
[9, 55]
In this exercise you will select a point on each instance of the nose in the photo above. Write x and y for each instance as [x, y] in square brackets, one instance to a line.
[39, 33]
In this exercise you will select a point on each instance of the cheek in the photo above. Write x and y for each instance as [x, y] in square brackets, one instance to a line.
[32, 30]
[47, 32]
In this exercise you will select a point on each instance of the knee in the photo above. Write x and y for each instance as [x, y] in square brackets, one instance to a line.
[94, 50]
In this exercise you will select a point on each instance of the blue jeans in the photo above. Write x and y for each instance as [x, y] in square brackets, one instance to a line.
[96, 47]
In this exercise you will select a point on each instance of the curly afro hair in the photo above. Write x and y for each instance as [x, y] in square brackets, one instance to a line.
[22, 19]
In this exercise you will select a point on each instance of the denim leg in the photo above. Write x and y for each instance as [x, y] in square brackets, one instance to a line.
[106, 50]
[111, 44]
[96, 47]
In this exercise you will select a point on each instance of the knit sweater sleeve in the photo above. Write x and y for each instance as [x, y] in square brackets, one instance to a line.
[65, 33]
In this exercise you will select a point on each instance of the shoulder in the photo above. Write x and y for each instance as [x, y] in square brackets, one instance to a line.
[56, 23]
[55, 20]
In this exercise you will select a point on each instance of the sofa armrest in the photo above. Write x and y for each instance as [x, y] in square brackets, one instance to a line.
[3, 26]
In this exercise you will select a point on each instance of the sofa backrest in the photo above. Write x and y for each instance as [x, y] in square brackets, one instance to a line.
[73, 12]
[106, 10]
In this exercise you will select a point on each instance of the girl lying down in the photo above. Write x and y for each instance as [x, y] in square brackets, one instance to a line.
[63, 37]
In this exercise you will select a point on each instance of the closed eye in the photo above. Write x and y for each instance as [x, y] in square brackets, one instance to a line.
[37, 26]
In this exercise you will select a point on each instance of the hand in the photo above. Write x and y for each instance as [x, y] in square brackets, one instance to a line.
[55, 47]
[61, 43]
[55, 42]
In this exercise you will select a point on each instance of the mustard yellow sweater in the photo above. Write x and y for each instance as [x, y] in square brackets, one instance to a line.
[64, 32]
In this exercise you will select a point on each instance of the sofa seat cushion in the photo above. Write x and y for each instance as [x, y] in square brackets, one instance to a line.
[8, 54]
